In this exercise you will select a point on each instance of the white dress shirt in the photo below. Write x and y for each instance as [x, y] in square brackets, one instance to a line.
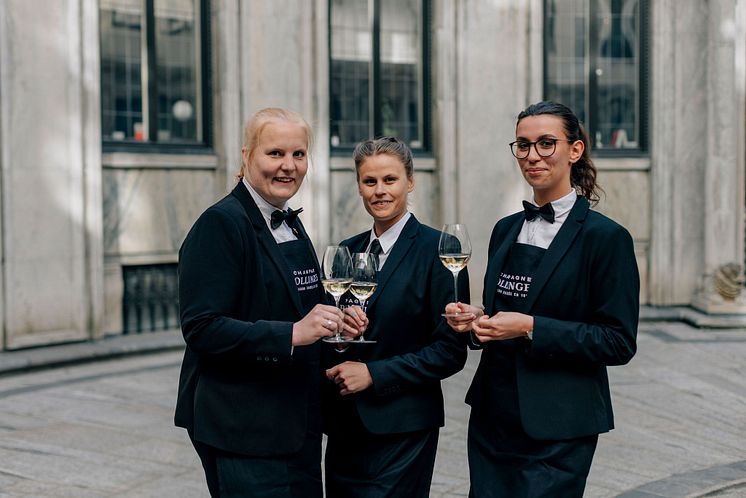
[388, 238]
[539, 232]
[283, 233]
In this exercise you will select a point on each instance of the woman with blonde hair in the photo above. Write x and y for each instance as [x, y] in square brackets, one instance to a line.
[251, 313]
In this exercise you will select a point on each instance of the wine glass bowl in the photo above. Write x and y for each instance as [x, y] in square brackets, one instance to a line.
[364, 280]
[454, 251]
[336, 277]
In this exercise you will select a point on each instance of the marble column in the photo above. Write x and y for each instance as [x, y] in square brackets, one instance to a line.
[724, 171]
[52, 272]
[678, 130]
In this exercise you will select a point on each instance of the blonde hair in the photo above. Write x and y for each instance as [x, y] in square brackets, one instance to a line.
[261, 118]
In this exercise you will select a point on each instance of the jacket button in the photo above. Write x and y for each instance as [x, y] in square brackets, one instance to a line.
[274, 358]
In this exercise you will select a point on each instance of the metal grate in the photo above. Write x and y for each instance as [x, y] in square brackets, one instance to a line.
[151, 298]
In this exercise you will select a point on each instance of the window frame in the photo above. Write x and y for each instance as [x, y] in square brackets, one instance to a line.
[591, 80]
[375, 117]
[152, 145]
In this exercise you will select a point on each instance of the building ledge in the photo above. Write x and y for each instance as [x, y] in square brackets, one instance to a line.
[692, 317]
[24, 360]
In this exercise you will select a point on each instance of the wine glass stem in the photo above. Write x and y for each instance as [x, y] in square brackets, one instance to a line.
[336, 303]
[362, 305]
[455, 287]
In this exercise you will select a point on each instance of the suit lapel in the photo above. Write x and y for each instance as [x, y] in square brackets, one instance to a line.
[496, 262]
[400, 249]
[557, 249]
[267, 241]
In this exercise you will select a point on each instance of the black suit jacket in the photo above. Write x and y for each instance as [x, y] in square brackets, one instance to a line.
[415, 348]
[240, 388]
[585, 302]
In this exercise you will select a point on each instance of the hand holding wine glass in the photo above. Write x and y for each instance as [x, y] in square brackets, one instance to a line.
[364, 280]
[454, 250]
[336, 277]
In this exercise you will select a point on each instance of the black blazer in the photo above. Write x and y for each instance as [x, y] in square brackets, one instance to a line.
[240, 388]
[416, 348]
[585, 302]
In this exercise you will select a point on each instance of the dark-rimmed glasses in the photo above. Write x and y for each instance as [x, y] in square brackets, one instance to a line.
[544, 147]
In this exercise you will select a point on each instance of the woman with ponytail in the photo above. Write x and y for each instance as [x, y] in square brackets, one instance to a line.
[561, 296]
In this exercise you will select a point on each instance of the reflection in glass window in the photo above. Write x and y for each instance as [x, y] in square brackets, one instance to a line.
[121, 91]
[376, 71]
[151, 71]
[593, 63]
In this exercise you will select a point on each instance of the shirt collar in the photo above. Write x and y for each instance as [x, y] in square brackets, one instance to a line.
[265, 207]
[564, 204]
[388, 238]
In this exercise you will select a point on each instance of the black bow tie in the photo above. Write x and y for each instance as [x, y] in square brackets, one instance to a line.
[288, 217]
[531, 212]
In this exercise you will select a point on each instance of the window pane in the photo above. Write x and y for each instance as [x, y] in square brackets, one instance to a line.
[617, 70]
[593, 54]
[178, 72]
[121, 90]
[350, 67]
[566, 31]
[401, 70]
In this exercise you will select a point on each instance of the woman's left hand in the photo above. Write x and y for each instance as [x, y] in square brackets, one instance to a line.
[350, 376]
[355, 321]
[504, 325]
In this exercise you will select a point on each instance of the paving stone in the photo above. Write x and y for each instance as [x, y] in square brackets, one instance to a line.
[105, 428]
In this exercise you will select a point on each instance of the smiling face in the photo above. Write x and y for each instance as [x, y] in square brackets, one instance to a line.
[548, 176]
[277, 164]
[384, 186]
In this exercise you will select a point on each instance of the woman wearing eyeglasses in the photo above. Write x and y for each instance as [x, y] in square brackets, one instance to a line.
[561, 296]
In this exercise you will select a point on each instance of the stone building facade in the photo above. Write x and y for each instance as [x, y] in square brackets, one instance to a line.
[79, 211]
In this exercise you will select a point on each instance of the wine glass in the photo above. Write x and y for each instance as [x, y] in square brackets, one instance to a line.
[454, 250]
[336, 277]
[364, 283]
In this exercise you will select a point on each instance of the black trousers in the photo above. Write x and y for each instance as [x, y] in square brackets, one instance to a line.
[365, 465]
[505, 462]
[230, 475]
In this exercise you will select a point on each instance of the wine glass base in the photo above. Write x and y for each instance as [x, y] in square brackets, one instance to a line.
[363, 341]
[338, 340]
[454, 315]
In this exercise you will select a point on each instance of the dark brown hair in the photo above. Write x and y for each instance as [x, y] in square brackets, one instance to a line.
[583, 173]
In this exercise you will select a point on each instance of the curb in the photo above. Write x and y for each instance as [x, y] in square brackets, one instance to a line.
[25, 360]
[692, 317]
[712, 481]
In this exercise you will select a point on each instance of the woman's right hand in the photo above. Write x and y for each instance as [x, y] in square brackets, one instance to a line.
[461, 316]
[321, 321]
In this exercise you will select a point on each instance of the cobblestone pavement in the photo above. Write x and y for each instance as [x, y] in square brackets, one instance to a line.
[105, 428]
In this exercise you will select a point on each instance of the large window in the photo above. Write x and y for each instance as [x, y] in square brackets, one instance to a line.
[595, 62]
[378, 80]
[154, 72]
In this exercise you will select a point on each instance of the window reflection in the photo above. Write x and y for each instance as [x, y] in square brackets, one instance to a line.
[373, 91]
[592, 62]
[121, 92]
[175, 58]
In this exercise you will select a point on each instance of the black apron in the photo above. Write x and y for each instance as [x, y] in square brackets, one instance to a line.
[301, 261]
[503, 459]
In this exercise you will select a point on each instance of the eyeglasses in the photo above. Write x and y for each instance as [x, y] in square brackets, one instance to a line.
[544, 147]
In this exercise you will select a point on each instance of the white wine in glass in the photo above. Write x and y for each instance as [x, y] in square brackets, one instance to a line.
[336, 277]
[364, 280]
[454, 250]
